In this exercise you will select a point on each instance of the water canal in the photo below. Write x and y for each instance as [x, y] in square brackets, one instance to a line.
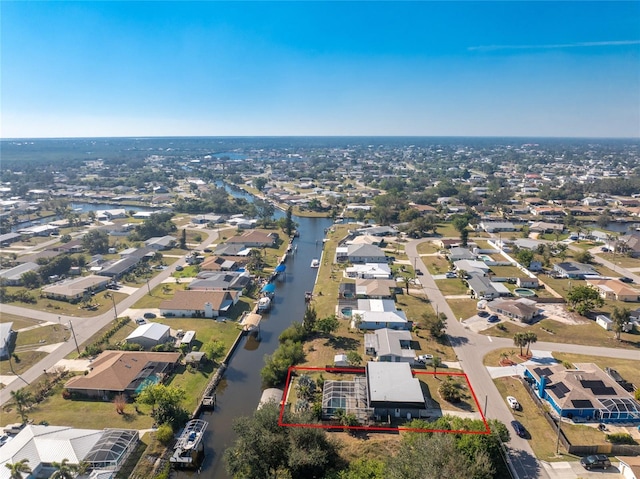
[239, 391]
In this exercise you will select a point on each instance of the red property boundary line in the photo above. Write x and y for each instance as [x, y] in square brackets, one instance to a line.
[376, 428]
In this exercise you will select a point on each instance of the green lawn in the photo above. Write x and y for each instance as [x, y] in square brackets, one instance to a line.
[453, 286]
[620, 260]
[588, 334]
[19, 322]
[427, 247]
[463, 308]
[507, 272]
[436, 264]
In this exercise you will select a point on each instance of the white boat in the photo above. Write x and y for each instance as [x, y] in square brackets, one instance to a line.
[189, 447]
[264, 303]
[315, 263]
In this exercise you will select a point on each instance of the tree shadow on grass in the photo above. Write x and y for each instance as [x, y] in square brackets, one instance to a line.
[343, 342]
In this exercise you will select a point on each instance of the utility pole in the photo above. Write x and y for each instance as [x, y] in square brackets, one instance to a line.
[74, 337]
[558, 438]
[113, 299]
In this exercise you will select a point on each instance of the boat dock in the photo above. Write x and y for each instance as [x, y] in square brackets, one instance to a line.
[189, 448]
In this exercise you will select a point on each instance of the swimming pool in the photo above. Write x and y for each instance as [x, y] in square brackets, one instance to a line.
[485, 258]
[346, 311]
[524, 292]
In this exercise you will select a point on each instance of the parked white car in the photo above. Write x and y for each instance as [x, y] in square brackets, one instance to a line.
[513, 403]
[423, 359]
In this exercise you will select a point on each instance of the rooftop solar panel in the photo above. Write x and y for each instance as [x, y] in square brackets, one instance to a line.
[559, 389]
[581, 403]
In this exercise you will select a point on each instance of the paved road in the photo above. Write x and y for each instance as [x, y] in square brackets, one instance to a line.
[84, 327]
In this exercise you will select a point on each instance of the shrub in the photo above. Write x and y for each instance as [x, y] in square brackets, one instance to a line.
[621, 438]
[164, 434]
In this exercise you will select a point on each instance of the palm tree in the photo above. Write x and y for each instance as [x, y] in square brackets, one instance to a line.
[531, 338]
[436, 362]
[64, 470]
[520, 341]
[23, 400]
[17, 468]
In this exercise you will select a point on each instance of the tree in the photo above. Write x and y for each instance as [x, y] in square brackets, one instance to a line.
[183, 239]
[289, 224]
[464, 237]
[353, 358]
[23, 399]
[584, 257]
[437, 456]
[164, 434]
[364, 469]
[435, 324]
[309, 319]
[449, 390]
[64, 470]
[530, 338]
[460, 223]
[259, 182]
[120, 402]
[524, 257]
[328, 324]
[620, 317]
[30, 279]
[263, 449]
[159, 394]
[18, 468]
[436, 362]
[583, 299]
[519, 339]
[213, 349]
[96, 241]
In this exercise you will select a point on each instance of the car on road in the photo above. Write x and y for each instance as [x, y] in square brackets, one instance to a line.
[519, 428]
[513, 403]
[207, 250]
[451, 274]
[149, 315]
[141, 321]
[597, 461]
[424, 359]
[493, 319]
[483, 314]
[419, 272]
[604, 249]
[624, 279]
[179, 268]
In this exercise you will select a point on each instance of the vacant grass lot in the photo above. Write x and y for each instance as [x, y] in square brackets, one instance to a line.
[25, 360]
[427, 247]
[19, 322]
[63, 307]
[621, 260]
[436, 264]
[587, 333]
[463, 308]
[430, 384]
[452, 286]
[507, 272]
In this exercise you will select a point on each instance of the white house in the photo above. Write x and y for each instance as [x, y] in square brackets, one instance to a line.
[149, 335]
[369, 271]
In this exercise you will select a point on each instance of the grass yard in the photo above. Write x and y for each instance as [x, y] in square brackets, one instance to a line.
[81, 414]
[452, 286]
[507, 272]
[26, 359]
[430, 384]
[436, 264]
[329, 275]
[54, 333]
[587, 334]
[19, 322]
[447, 230]
[463, 308]
[63, 307]
[427, 247]
[620, 260]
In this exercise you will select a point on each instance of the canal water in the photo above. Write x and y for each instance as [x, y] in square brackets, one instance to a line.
[239, 391]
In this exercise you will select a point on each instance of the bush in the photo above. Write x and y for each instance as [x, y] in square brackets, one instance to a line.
[621, 438]
[164, 434]
[295, 333]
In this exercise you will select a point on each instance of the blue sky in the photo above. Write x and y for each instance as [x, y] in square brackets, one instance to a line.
[150, 68]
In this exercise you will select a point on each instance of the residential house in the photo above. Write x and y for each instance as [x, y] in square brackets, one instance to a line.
[255, 239]
[199, 304]
[126, 372]
[483, 288]
[365, 253]
[369, 271]
[632, 244]
[218, 263]
[524, 310]
[373, 314]
[586, 392]
[74, 290]
[105, 451]
[614, 289]
[528, 282]
[161, 242]
[497, 226]
[573, 270]
[119, 268]
[220, 281]
[376, 288]
[546, 227]
[457, 254]
[378, 231]
[394, 391]
[149, 335]
[13, 276]
[8, 238]
[236, 249]
[389, 345]
[472, 267]
[629, 467]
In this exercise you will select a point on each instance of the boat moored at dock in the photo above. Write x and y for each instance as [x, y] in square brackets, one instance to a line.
[189, 449]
